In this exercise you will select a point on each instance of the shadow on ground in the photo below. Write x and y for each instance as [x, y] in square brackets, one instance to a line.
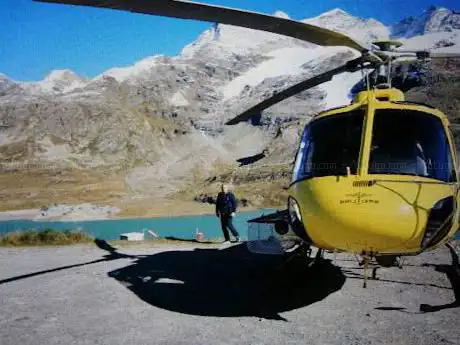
[112, 255]
[453, 275]
[177, 239]
[228, 283]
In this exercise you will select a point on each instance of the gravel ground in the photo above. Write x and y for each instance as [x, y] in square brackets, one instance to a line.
[164, 295]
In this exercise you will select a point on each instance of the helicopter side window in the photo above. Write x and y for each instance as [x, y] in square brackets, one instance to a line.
[329, 145]
[408, 142]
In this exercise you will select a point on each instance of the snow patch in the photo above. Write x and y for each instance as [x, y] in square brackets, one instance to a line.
[178, 100]
[433, 40]
[54, 152]
[283, 62]
[338, 89]
[123, 73]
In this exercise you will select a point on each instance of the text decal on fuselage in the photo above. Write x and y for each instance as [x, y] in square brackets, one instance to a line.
[359, 199]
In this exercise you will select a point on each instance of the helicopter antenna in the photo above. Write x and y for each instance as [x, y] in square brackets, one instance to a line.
[368, 84]
[389, 73]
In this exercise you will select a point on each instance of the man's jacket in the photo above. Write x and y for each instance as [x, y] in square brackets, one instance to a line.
[225, 203]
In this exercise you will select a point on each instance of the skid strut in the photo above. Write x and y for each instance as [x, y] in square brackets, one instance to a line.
[301, 251]
[366, 263]
[455, 259]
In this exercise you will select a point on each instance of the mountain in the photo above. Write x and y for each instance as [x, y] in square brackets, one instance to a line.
[362, 30]
[433, 20]
[160, 121]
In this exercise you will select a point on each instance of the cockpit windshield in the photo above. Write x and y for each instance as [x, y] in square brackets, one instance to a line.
[408, 142]
[329, 145]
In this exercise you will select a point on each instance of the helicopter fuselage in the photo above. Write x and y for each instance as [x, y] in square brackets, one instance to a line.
[360, 191]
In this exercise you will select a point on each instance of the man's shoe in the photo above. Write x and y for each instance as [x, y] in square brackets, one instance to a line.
[226, 242]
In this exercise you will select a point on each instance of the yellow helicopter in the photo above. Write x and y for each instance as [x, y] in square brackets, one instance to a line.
[377, 178]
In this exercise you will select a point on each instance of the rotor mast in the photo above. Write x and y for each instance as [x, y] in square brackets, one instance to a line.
[384, 70]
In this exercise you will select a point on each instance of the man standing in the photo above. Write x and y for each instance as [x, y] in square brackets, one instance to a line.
[225, 210]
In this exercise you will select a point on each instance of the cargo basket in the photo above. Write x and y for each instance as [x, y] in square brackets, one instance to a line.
[262, 237]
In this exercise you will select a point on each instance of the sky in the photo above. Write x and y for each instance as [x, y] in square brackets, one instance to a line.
[37, 38]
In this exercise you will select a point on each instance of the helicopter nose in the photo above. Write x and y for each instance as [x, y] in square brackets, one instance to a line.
[377, 219]
[366, 225]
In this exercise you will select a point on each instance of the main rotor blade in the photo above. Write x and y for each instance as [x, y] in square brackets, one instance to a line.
[295, 89]
[219, 14]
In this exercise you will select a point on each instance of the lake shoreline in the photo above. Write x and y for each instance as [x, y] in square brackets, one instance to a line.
[36, 215]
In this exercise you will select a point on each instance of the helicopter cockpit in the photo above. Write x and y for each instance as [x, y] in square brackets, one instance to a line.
[404, 142]
[329, 146]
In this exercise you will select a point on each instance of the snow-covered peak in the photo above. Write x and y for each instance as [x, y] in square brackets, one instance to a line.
[362, 30]
[281, 14]
[4, 76]
[434, 19]
[56, 82]
[5, 82]
[62, 75]
[124, 73]
[223, 41]
[336, 12]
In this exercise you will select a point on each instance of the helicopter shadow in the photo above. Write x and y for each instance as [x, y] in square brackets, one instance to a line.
[453, 275]
[101, 244]
[228, 283]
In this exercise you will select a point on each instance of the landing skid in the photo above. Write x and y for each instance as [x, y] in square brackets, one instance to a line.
[301, 251]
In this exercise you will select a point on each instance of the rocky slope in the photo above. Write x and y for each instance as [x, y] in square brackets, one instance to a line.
[160, 121]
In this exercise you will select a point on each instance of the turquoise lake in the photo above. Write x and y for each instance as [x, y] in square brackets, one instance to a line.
[183, 227]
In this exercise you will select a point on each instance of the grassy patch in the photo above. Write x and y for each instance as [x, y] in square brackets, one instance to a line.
[14, 151]
[50, 237]
[44, 238]
[33, 188]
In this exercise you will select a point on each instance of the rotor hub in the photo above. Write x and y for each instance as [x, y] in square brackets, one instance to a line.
[387, 45]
